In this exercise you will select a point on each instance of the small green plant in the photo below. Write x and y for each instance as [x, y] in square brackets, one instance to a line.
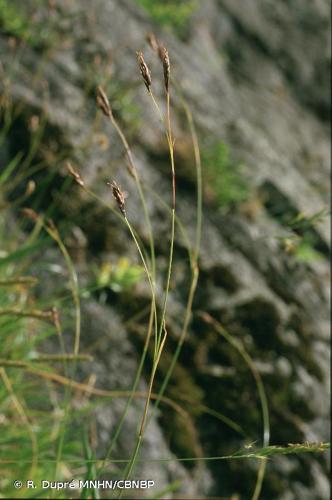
[119, 277]
[174, 14]
[224, 175]
[303, 222]
[303, 240]
[306, 252]
[301, 247]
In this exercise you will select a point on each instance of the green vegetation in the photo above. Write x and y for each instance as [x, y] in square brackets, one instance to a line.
[13, 21]
[119, 277]
[31, 417]
[303, 240]
[302, 248]
[19, 22]
[174, 14]
[30, 423]
[305, 252]
[225, 176]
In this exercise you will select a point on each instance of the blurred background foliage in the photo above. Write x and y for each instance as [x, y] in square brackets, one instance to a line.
[226, 176]
[173, 14]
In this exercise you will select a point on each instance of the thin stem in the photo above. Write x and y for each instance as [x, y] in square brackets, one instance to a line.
[258, 454]
[171, 250]
[133, 390]
[199, 191]
[160, 342]
[20, 280]
[115, 212]
[14, 363]
[133, 458]
[74, 286]
[143, 201]
[37, 314]
[144, 265]
[140, 190]
[261, 392]
[153, 313]
[67, 382]
[54, 234]
[152, 287]
[155, 365]
[193, 255]
[160, 114]
[178, 223]
[20, 410]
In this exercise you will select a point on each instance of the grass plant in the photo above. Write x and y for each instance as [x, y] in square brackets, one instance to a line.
[40, 390]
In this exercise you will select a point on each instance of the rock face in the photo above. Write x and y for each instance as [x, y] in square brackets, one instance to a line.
[256, 78]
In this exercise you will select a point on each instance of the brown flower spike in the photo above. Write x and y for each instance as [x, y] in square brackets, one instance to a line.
[145, 72]
[166, 66]
[103, 102]
[119, 196]
[76, 176]
[152, 41]
[30, 213]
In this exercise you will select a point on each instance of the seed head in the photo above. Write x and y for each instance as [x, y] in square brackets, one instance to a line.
[76, 176]
[30, 213]
[163, 52]
[152, 41]
[30, 188]
[103, 102]
[145, 72]
[119, 196]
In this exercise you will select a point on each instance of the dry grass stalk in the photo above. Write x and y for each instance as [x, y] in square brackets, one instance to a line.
[119, 196]
[42, 358]
[76, 176]
[145, 72]
[20, 280]
[103, 102]
[34, 313]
